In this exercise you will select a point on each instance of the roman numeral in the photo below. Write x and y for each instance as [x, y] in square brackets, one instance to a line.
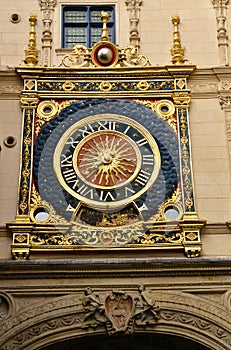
[143, 207]
[141, 142]
[85, 130]
[85, 191]
[128, 191]
[148, 159]
[66, 161]
[143, 177]
[70, 208]
[72, 142]
[71, 177]
[107, 125]
[125, 131]
[105, 195]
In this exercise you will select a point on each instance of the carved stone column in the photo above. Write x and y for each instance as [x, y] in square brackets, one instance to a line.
[224, 95]
[134, 9]
[47, 8]
[221, 11]
[225, 101]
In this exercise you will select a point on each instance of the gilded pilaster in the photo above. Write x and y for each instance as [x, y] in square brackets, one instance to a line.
[182, 101]
[220, 7]
[47, 8]
[22, 226]
[28, 104]
[190, 225]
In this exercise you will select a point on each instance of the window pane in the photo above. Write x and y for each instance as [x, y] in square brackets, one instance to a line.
[95, 35]
[110, 34]
[75, 36]
[96, 15]
[75, 16]
[82, 24]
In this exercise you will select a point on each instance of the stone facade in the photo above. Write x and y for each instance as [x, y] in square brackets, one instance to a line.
[67, 295]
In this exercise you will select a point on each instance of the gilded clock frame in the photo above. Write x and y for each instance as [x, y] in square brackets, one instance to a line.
[162, 89]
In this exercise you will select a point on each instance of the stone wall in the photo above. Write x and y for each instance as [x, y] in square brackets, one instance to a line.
[205, 31]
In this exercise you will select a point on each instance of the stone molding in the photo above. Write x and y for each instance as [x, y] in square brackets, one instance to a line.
[220, 7]
[203, 83]
[10, 84]
[119, 267]
[85, 312]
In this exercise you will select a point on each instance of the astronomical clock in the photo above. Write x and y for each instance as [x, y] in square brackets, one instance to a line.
[106, 158]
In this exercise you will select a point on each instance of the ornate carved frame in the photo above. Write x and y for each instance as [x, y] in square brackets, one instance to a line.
[90, 312]
[43, 85]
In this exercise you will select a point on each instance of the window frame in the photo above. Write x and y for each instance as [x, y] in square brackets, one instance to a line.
[88, 24]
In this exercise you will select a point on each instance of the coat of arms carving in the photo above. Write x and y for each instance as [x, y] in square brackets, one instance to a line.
[119, 308]
[119, 311]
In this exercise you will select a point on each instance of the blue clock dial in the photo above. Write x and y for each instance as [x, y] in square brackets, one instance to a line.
[98, 158]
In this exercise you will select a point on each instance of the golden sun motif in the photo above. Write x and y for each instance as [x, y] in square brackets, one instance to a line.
[107, 159]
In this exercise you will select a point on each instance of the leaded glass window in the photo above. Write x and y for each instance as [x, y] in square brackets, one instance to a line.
[83, 25]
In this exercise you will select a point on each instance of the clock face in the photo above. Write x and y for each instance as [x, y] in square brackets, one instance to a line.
[106, 162]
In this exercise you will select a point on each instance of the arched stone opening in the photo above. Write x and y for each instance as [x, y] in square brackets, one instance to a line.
[144, 341]
[159, 315]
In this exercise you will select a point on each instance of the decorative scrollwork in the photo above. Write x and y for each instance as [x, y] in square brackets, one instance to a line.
[164, 108]
[173, 202]
[38, 204]
[46, 111]
[80, 58]
[26, 163]
[107, 86]
[186, 169]
[130, 57]
[159, 237]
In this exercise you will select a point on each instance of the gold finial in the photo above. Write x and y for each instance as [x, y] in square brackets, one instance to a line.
[31, 51]
[177, 51]
[104, 19]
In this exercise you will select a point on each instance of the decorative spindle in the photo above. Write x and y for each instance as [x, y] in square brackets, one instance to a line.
[32, 52]
[177, 50]
[104, 19]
